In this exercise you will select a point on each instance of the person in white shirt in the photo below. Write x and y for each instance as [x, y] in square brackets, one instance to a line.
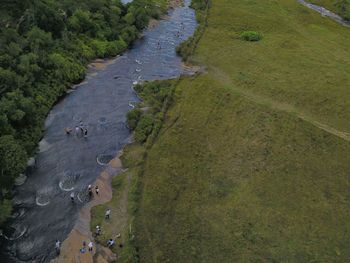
[108, 212]
[58, 246]
[90, 245]
[72, 197]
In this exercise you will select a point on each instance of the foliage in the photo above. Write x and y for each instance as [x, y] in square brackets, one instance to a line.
[45, 46]
[251, 36]
[155, 93]
[340, 7]
[157, 97]
[5, 210]
[12, 162]
[144, 128]
[133, 117]
[344, 8]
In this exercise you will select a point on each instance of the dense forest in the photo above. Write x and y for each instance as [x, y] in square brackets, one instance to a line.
[45, 46]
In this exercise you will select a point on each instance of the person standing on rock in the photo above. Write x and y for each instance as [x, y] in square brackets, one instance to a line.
[77, 131]
[72, 197]
[97, 190]
[58, 247]
[98, 230]
[90, 191]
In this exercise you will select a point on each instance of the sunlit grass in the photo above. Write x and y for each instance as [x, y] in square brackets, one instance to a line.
[235, 178]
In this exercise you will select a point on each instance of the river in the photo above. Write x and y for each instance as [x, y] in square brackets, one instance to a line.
[43, 211]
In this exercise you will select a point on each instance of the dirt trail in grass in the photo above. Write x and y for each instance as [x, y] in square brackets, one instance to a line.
[325, 12]
[276, 105]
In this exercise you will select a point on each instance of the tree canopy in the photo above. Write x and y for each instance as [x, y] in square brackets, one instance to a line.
[45, 46]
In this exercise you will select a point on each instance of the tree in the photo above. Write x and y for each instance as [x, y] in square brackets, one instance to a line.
[80, 22]
[8, 80]
[39, 40]
[144, 128]
[28, 67]
[65, 69]
[5, 210]
[12, 160]
[49, 17]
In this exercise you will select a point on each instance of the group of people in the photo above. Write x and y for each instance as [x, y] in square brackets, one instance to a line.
[79, 130]
[97, 190]
[111, 241]
[90, 192]
[90, 247]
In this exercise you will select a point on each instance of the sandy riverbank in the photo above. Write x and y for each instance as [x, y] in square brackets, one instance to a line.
[70, 250]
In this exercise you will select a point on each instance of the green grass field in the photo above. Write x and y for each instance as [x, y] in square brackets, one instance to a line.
[243, 169]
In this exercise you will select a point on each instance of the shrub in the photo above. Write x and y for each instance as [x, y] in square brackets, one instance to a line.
[99, 47]
[133, 118]
[343, 8]
[251, 36]
[144, 128]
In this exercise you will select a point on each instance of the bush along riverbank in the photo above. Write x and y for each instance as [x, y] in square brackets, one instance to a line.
[45, 47]
[146, 121]
[340, 7]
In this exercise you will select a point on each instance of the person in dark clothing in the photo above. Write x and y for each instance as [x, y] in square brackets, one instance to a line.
[90, 190]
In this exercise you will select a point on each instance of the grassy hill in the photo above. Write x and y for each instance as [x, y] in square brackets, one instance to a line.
[252, 163]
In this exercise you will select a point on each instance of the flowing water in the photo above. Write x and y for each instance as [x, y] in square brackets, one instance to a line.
[69, 163]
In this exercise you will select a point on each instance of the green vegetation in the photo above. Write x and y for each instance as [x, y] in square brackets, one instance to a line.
[117, 224]
[340, 7]
[187, 48]
[250, 164]
[45, 46]
[251, 36]
[133, 118]
[146, 121]
[147, 118]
